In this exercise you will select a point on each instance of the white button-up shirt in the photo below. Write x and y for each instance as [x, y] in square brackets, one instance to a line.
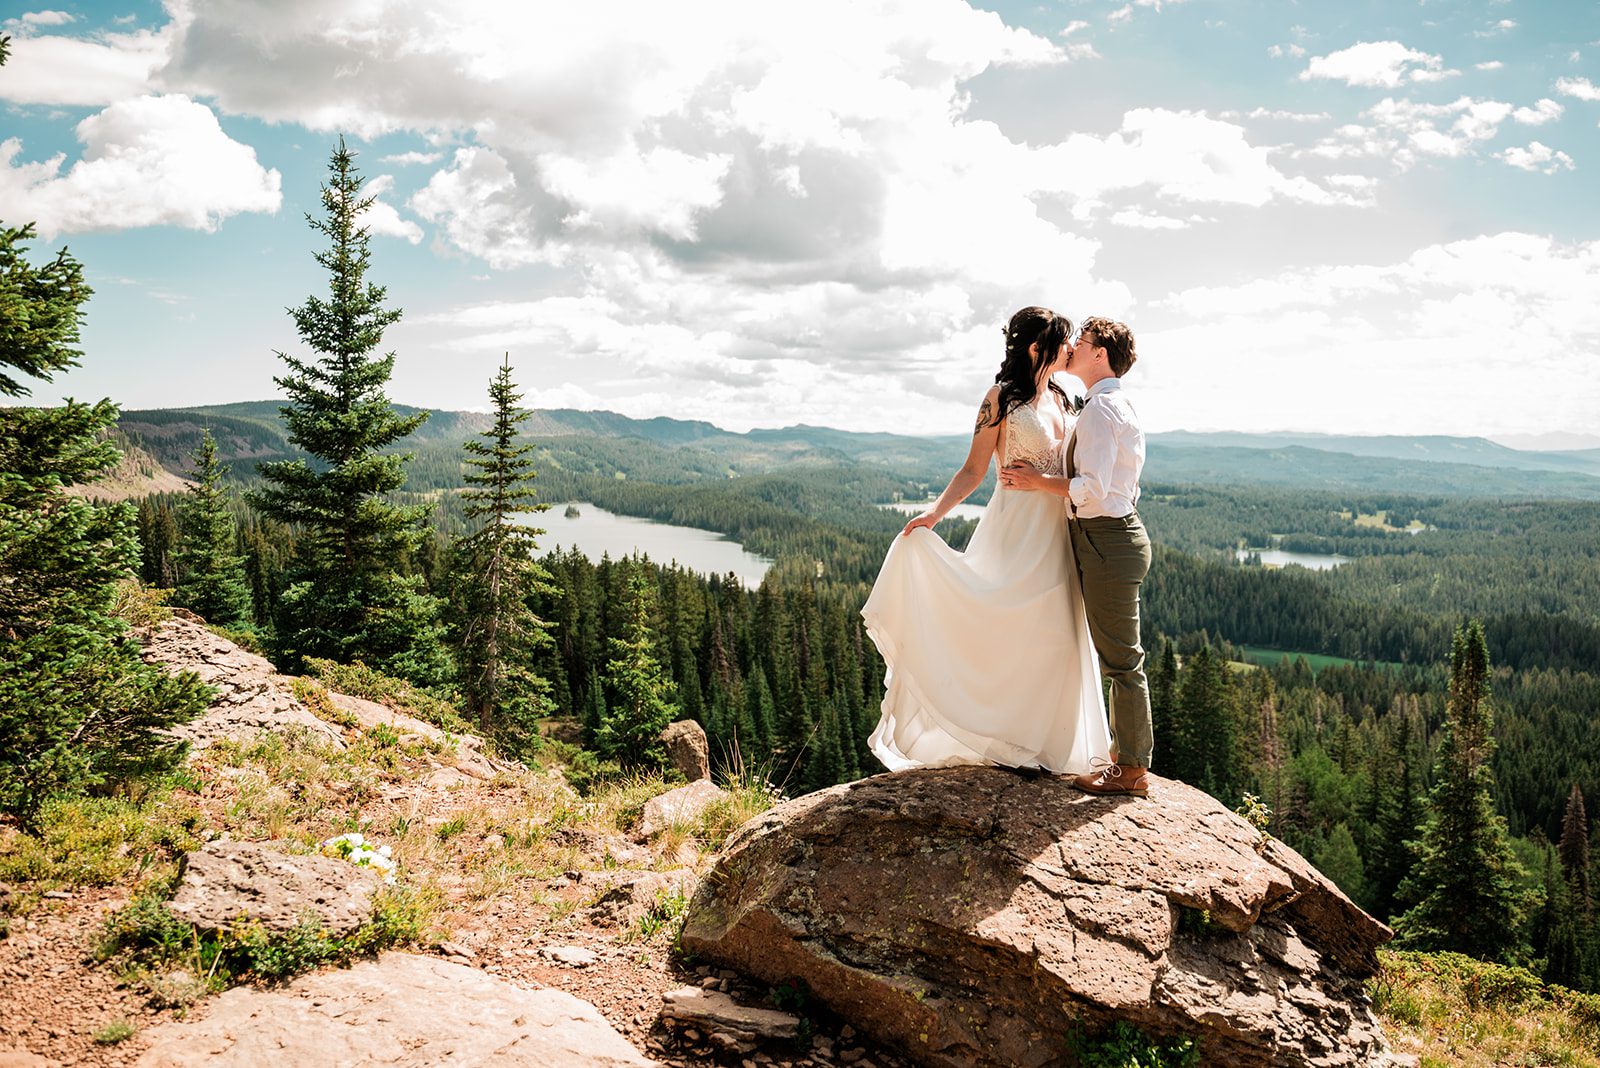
[1109, 455]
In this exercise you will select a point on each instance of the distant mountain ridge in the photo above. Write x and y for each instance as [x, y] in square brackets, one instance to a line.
[1423, 464]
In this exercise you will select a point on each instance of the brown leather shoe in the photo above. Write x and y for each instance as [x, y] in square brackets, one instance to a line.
[1110, 779]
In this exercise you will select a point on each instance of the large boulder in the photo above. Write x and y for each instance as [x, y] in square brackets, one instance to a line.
[224, 883]
[971, 916]
[402, 1010]
[687, 749]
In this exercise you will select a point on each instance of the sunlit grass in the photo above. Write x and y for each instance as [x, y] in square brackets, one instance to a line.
[1454, 1011]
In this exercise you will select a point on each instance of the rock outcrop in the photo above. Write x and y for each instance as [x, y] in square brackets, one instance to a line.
[401, 1009]
[971, 916]
[252, 698]
[687, 749]
[226, 882]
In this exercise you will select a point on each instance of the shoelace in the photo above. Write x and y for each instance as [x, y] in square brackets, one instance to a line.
[1105, 768]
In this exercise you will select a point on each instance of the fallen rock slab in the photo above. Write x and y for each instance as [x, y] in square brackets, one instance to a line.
[402, 1010]
[971, 917]
[730, 1026]
[225, 882]
[679, 806]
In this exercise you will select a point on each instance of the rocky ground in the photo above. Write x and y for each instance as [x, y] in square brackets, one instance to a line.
[531, 883]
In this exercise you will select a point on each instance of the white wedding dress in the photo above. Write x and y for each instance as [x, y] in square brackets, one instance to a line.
[988, 650]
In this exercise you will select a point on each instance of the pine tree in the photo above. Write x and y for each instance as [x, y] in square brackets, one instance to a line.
[346, 599]
[158, 540]
[1400, 817]
[642, 700]
[79, 708]
[1163, 705]
[1340, 861]
[211, 578]
[1574, 848]
[499, 634]
[1464, 889]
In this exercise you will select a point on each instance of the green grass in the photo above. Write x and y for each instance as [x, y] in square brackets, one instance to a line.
[1457, 1012]
[1255, 654]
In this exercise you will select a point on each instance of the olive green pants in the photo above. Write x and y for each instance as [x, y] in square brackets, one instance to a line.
[1113, 558]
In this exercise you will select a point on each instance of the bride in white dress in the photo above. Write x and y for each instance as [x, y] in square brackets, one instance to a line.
[988, 650]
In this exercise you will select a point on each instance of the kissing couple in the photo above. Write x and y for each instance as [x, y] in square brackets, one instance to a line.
[995, 653]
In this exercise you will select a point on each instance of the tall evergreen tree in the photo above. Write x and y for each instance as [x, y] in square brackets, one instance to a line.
[78, 706]
[1574, 848]
[1464, 891]
[346, 599]
[1163, 704]
[1400, 816]
[641, 702]
[211, 577]
[498, 632]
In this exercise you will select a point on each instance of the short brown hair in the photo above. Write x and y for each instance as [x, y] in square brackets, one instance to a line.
[1116, 339]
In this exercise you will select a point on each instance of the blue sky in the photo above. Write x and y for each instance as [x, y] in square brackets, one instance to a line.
[1353, 217]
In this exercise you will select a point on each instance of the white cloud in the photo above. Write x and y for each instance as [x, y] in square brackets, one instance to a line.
[1491, 64]
[1287, 116]
[149, 161]
[30, 19]
[1402, 131]
[1139, 220]
[1582, 88]
[1387, 64]
[81, 71]
[1425, 326]
[1120, 15]
[1495, 29]
[1293, 51]
[1536, 157]
[1544, 111]
[381, 217]
[407, 159]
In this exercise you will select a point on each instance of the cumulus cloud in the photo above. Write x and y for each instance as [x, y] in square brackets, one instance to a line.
[409, 159]
[1544, 111]
[382, 218]
[81, 71]
[149, 161]
[1488, 64]
[1403, 131]
[1581, 88]
[1497, 28]
[1537, 157]
[1385, 64]
[1421, 326]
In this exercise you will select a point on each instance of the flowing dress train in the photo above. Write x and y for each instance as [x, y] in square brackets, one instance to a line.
[988, 652]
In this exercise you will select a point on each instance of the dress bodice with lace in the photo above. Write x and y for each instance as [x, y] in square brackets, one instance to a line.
[1031, 440]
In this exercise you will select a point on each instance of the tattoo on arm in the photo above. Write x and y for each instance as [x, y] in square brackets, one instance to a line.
[985, 415]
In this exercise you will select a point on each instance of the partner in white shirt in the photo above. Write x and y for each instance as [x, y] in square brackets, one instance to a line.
[1104, 458]
[1108, 453]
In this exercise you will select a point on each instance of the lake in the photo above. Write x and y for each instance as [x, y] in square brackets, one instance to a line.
[596, 532]
[1280, 557]
[960, 511]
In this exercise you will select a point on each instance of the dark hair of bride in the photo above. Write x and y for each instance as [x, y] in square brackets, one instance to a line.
[1019, 371]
